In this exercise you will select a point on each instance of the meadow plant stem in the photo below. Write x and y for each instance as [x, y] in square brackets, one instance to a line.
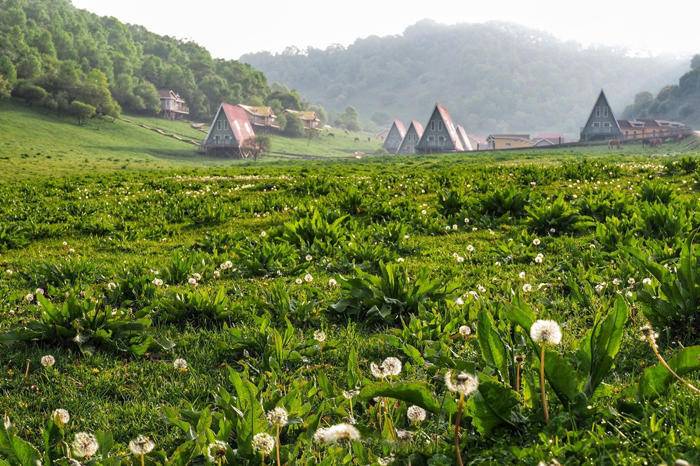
[277, 446]
[663, 362]
[543, 395]
[517, 378]
[458, 422]
[142, 460]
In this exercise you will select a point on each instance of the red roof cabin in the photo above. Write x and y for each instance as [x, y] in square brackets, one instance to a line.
[229, 131]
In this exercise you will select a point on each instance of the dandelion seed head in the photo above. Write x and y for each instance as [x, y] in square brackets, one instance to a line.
[48, 360]
[546, 332]
[463, 383]
[277, 417]
[216, 450]
[141, 445]
[415, 414]
[180, 364]
[337, 433]
[84, 445]
[320, 336]
[465, 330]
[263, 443]
[60, 416]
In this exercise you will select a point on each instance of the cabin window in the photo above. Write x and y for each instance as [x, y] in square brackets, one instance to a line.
[439, 123]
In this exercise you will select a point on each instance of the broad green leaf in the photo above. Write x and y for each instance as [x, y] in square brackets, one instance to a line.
[561, 376]
[494, 404]
[604, 342]
[655, 380]
[417, 393]
[520, 313]
[492, 348]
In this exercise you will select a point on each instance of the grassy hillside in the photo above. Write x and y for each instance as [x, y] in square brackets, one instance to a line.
[37, 142]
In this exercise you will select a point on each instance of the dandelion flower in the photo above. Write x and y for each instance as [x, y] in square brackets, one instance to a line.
[481, 289]
[157, 282]
[111, 286]
[217, 450]
[521, 275]
[308, 278]
[392, 366]
[277, 417]
[40, 291]
[539, 258]
[263, 443]
[29, 298]
[527, 288]
[309, 258]
[48, 360]
[459, 301]
[180, 364]
[60, 416]
[84, 445]
[415, 414]
[298, 281]
[464, 383]
[631, 281]
[141, 446]
[470, 248]
[332, 282]
[337, 433]
[646, 281]
[320, 336]
[546, 332]
[192, 281]
[465, 331]
[350, 394]
[536, 242]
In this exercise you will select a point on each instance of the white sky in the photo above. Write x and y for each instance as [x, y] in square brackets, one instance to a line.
[231, 28]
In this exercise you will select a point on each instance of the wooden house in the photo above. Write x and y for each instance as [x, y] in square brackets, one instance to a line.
[172, 106]
[651, 129]
[260, 117]
[394, 137]
[508, 141]
[440, 134]
[601, 123]
[308, 118]
[229, 131]
[410, 140]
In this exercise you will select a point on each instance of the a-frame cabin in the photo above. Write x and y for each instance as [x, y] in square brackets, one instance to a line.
[413, 135]
[394, 137]
[229, 131]
[601, 123]
[440, 134]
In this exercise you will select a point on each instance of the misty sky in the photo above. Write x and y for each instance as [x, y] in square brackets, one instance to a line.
[234, 27]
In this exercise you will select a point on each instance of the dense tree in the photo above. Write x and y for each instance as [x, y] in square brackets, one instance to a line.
[493, 77]
[31, 93]
[81, 111]
[5, 87]
[293, 126]
[349, 119]
[673, 102]
[74, 54]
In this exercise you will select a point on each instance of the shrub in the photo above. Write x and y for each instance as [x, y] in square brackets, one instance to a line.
[508, 201]
[656, 192]
[390, 296]
[556, 217]
[81, 111]
[661, 221]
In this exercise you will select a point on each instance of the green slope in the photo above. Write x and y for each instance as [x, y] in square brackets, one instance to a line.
[36, 142]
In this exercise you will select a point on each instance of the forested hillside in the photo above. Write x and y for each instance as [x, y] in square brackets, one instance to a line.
[58, 56]
[492, 76]
[679, 102]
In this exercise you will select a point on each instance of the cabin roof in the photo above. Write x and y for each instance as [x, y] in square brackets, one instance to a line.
[260, 111]
[451, 129]
[308, 115]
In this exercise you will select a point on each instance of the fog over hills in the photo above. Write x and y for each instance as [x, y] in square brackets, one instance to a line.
[494, 76]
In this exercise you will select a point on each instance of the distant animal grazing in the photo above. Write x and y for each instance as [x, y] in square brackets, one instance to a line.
[616, 143]
[357, 139]
[331, 135]
[369, 139]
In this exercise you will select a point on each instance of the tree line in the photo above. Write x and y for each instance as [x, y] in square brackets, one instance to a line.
[72, 61]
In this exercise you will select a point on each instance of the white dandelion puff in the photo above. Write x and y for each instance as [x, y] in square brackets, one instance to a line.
[141, 445]
[463, 383]
[546, 332]
[84, 445]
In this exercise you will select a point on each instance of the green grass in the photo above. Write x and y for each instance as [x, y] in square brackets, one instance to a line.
[68, 215]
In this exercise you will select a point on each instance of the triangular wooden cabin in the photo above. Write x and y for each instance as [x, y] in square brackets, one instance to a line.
[394, 137]
[601, 123]
[440, 134]
[229, 131]
[413, 135]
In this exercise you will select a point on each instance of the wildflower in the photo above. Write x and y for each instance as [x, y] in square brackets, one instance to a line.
[60, 417]
[415, 414]
[320, 336]
[459, 301]
[111, 286]
[546, 332]
[308, 278]
[631, 281]
[539, 258]
[481, 289]
[40, 291]
[141, 446]
[470, 248]
[391, 366]
[386, 461]
[6, 422]
[157, 282]
[192, 281]
[337, 433]
[400, 259]
[423, 211]
[459, 259]
[309, 258]
[84, 445]
[552, 231]
[646, 281]
[454, 227]
[263, 443]
[497, 263]
[277, 417]
[600, 287]
[536, 242]
[29, 298]
[298, 281]
[473, 294]
[527, 288]
[403, 434]
[332, 282]
[521, 275]
[181, 365]
[263, 234]
[48, 360]
[465, 331]
[216, 274]
[197, 276]
[464, 383]
[216, 451]
[350, 394]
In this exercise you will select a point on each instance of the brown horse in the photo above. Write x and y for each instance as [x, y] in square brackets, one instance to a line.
[615, 143]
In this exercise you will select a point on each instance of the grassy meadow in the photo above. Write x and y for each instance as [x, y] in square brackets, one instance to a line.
[183, 298]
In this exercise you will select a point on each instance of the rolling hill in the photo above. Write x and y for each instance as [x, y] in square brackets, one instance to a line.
[494, 77]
